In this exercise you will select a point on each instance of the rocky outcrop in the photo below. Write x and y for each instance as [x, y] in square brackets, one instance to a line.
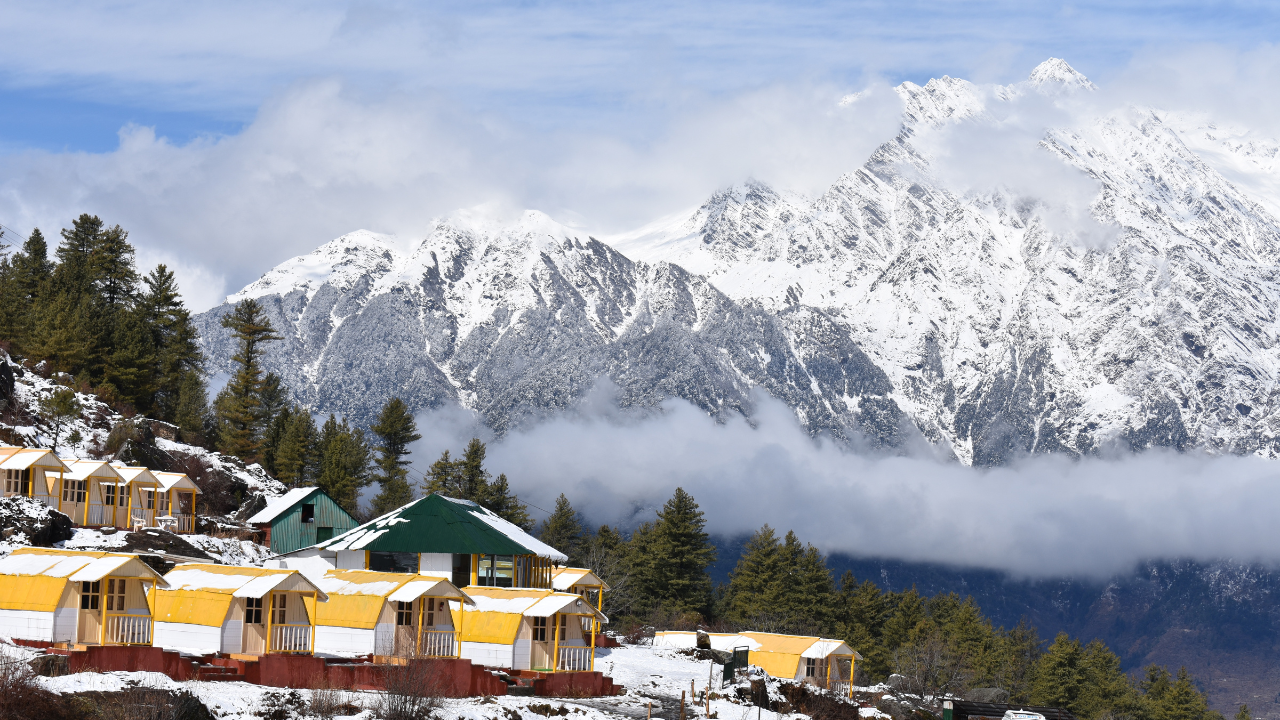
[24, 521]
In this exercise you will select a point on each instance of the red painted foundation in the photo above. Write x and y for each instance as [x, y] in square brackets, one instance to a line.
[456, 677]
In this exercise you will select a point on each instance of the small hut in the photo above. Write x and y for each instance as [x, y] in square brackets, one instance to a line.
[528, 629]
[300, 518]
[76, 597]
[176, 502]
[31, 472]
[817, 661]
[387, 614]
[237, 610]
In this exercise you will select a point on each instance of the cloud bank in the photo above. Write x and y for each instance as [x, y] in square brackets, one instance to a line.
[1037, 518]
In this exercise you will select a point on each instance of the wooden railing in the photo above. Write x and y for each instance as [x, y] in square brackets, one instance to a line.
[291, 639]
[574, 659]
[841, 688]
[147, 518]
[123, 629]
[101, 515]
[438, 643]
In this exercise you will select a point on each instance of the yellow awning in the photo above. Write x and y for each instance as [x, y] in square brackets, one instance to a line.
[197, 607]
[490, 627]
[31, 592]
[353, 611]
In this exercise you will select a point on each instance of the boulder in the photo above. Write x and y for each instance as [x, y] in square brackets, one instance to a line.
[987, 695]
[43, 526]
[7, 382]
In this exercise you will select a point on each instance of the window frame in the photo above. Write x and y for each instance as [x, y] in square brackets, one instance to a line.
[90, 594]
[253, 611]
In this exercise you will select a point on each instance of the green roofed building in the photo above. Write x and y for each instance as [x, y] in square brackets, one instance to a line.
[441, 537]
[300, 518]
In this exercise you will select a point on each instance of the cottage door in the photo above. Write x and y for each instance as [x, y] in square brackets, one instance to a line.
[406, 630]
[542, 647]
[255, 628]
[89, 627]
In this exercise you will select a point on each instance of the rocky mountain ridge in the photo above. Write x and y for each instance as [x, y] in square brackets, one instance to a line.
[1131, 303]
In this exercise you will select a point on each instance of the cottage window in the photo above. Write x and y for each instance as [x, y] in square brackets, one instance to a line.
[539, 629]
[277, 609]
[564, 625]
[404, 613]
[431, 611]
[17, 481]
[150, 497]
[309, 513]
[810, 667]
[393, 562]
[253, 611]
[108, 495]
[496, 571]
[73, 491]
[89, 592]
[115, 595]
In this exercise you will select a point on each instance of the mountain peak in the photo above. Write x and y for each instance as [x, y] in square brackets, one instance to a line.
[1056, 70]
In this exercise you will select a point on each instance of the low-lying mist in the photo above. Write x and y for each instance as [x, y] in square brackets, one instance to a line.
[1042, 516]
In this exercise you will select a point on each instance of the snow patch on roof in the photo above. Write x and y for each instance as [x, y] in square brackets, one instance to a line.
[281, 505]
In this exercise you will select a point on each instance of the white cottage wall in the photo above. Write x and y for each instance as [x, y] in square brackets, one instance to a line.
[344, 641]
[29, 625]
[436, 564]
[350, 560]
[188, 636]
[488, 654]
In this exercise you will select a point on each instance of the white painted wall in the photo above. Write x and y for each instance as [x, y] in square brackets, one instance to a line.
[522, 654]
[232, 640]
[343, 641]
[28, 625]
[189, 637]
[384, 642]
[437, 564]
[488, 654]
[64, 623]
[350, 560]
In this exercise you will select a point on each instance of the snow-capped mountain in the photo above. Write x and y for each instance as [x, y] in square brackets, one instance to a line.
[903, 301]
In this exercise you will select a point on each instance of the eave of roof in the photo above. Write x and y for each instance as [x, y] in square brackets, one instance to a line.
[433, 524]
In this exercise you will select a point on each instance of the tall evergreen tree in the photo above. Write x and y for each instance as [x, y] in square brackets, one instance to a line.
[1059, 676]
[173, 338]
[1243, 713]
[295, 458]
[466, 479]
[191, 411]
[74, 273]
[24, 281]
[239, 405]
[343, 462]
[395, 430]
[563, 531]
[756, 583]
[673, 573]
[905, 620]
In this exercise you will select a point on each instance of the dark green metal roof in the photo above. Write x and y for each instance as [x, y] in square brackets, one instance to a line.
[433, 524]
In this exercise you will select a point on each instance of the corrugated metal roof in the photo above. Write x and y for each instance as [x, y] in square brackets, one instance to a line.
[437, 524]
[234, 580]
[75, 565]
[281, 505]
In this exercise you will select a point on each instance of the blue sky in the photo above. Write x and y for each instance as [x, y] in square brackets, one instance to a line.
[71, 77]
[228, 137]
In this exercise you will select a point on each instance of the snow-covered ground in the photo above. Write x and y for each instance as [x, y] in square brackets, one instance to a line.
[654, 678]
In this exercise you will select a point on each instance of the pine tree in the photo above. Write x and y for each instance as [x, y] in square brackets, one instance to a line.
[1059, 676]
[1243, 713]
[173, 338]
[755, 583]
[905, 620]
[295, 456]
[74, 272]
[395, 430]
[59, 408]
[562, 530]
[129, 374]
[503, 503]
[1183, 701]
[24, 281]
[861, 611]
[239, 406]
[343, 462]
[672, 572]
[65, 333]
[466, 479]
[808, 608]
[607, 554]
[191, 411]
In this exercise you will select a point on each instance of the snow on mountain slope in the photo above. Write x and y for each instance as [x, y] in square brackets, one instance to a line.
[1130, 302]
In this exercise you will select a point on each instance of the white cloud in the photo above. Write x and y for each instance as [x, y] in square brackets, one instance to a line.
[322, 159]
[1039, 517]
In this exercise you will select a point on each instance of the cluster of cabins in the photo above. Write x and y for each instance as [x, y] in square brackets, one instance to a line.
[98, 493]
[437, 578]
